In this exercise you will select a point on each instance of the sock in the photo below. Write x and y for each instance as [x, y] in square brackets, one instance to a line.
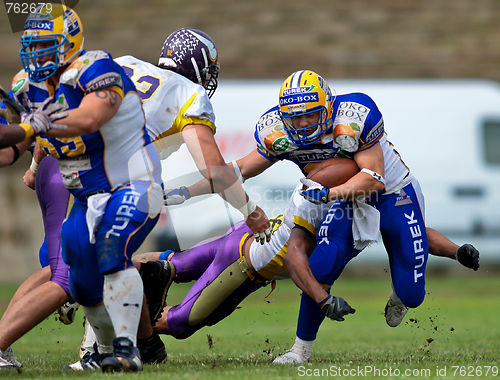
[122, 296]
[310, 318]
[88, 340]
[102, 327]
[164, 255]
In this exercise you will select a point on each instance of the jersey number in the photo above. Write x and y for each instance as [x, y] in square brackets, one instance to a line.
[150, 80]
[62, 147]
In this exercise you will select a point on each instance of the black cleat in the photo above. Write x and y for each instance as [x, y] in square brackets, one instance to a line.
[157, 276]
[125, 358]
[152, 350]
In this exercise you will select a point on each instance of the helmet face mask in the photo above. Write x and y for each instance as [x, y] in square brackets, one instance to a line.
[60, 35]
[192, 53]
[305, 94]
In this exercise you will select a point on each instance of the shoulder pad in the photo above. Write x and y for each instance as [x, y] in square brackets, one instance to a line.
[270, 134]
[20, 82]
[73, 73]
[349, 122]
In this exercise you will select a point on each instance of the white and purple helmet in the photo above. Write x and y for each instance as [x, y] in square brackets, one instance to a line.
[192, 53]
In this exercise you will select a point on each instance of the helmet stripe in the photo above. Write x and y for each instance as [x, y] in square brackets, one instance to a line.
[195, 66]
[297, 76]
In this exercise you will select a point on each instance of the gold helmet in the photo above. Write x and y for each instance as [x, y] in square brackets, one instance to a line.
[60, 28]
[303, 93]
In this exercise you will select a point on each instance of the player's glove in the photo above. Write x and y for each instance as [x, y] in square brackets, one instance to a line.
[314, 193]
[178, 196]
[468, 256]
[42, 120]
[336, 308]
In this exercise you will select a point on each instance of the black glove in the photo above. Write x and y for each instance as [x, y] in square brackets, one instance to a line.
[468, 256]
[336, 307]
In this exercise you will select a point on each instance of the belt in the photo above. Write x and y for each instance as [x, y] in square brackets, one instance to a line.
[245, 268]
[88, 195]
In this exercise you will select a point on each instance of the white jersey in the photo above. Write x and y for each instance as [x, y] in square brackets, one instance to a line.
[170, 102]
[269, 259]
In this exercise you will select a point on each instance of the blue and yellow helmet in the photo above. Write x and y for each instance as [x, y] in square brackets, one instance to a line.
[302, 93]
[56, 24]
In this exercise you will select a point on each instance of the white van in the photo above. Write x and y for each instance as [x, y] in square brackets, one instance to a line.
[447, 132]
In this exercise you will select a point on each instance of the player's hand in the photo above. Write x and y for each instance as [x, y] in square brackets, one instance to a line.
[260, 226]
[336, 308]
[178, 196]
[468, 256]
[29, 179]
[314, 192]
[42, 120]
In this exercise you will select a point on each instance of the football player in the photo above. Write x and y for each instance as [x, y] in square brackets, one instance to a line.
[309, 126]
[178, 110]
[104, 161]
[176, 100]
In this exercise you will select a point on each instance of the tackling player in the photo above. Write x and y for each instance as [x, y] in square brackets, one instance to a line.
[176, 102]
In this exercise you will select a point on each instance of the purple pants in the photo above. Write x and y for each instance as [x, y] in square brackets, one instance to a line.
[220, 285]
[53, 198]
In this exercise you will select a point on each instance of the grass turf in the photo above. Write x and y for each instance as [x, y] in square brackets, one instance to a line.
[457, 325]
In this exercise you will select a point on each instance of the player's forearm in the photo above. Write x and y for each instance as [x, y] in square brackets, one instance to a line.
[440, 245]
[79, 122]
[96, 109]
[362, 184]
[14, 133]
[297, 265]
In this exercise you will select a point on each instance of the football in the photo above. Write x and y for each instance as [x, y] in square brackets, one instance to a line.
[333, 172]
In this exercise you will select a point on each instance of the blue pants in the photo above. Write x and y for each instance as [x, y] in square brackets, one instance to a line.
[122, 230]
[404, 236]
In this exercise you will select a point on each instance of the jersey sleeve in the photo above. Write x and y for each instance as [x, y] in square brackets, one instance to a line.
[103, 74]
[196, 110]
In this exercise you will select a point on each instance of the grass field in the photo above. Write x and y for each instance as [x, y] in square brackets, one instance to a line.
[457, 325]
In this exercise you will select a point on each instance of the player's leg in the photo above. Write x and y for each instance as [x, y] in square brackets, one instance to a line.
[404, 235]
[333, 251]
[39, 302]
[216, 293]
[86, 281]
[158, 270]
[126, 222]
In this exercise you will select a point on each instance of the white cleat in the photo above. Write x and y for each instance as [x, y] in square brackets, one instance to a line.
[8, 355]
[7, 364]
[298, 354]
[395, 311]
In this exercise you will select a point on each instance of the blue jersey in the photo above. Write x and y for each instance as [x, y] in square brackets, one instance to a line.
[357, 125]
[110, 157]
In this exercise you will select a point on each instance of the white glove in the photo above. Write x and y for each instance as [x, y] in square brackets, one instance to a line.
[178, 196]
[42, 120]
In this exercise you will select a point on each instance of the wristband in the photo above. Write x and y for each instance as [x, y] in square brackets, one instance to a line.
[16, 153]
[247, 208]
[28, 130]
[34, 165]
